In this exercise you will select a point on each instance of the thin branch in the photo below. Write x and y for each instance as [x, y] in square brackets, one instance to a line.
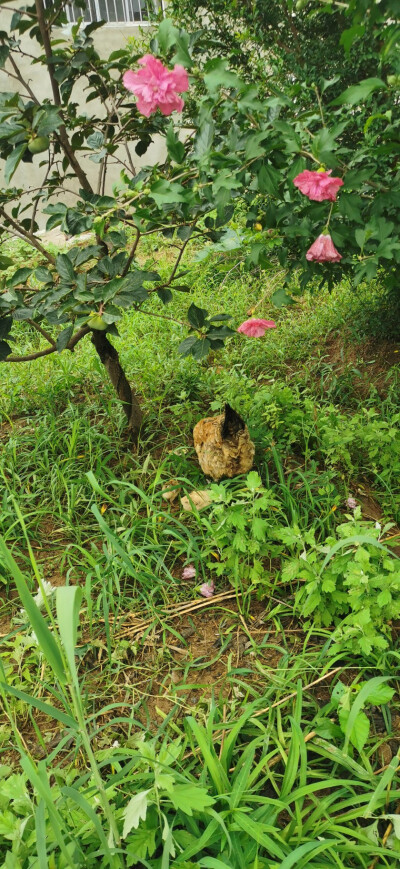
[179, 257]
[37, 200]
[30, 356]
[19, 78]
[39, 353]
[20, 232]
[42, 332]
[61, 135]
[163, 316]
[132, 254]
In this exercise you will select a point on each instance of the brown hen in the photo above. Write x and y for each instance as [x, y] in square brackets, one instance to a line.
[223, 445]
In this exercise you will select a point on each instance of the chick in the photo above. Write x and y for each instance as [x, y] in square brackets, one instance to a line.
[223, 445]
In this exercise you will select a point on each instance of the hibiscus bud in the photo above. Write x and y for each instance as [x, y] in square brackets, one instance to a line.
[323, 251]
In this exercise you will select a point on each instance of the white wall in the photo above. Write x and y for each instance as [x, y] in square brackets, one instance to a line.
[29, 176]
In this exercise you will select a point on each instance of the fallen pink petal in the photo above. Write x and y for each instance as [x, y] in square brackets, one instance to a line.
[189, 572]
[157, 87]
[207, 589]
[256, 328]
[351, 503]
[323, 251]
[318, 186]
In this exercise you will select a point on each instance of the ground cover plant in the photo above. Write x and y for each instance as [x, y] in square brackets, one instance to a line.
[213, 688]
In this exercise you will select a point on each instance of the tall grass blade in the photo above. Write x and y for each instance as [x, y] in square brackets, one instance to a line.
[44, 636]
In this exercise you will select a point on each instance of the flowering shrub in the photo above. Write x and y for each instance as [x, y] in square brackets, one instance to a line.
[229, 143]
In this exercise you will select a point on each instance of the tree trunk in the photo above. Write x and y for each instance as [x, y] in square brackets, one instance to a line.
[110, 359]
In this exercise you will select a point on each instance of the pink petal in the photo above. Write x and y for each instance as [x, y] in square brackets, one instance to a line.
[179, 78]
[157, 87]
[207, 589]
[189, 572]
[318, 186]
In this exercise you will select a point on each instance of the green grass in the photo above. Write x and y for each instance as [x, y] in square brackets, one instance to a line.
[215, 709]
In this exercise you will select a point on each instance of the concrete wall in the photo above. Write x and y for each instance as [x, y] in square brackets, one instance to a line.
[29, 175]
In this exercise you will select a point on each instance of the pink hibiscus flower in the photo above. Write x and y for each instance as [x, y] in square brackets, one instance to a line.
[318, 185]
[157, 87]
[256, 328]
[323, 251]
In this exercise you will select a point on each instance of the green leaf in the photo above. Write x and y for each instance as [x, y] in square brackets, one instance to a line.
[349, 36]
[164, 191]
[185, 347]
[46, 708]
[47, 121]
[68, 601]
[95, 140]
[65, 268]
[268, 180]
[253, 481]
[359, 92]
[43, 275]
[141, 844]
[45, 637]
[19, 277]
[4, 53]
[13, 161]
[280, 298]
[204, 139]
[182, 55]
[217, 75]
[196, 316]
[176, 149]
[5, 350]
[63, 338]
[379, 695]
[360, 731]
[294, 858]
[135, 811]
[167, 34]
[5, 326]
[23, 313]
[5, 262]
[189, 798]
[253, 145]
[358, 704]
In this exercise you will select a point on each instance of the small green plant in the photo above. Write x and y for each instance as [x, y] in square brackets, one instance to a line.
[240, 526]
[350, 701]
[352, 581]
